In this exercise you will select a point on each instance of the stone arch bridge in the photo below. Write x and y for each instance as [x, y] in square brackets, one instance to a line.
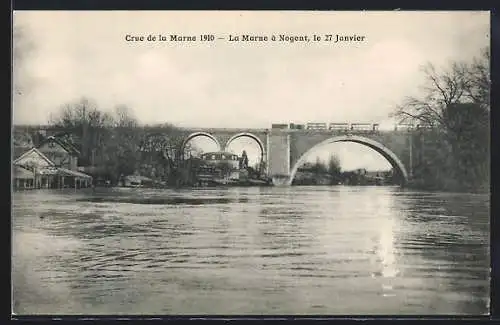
[284, 150]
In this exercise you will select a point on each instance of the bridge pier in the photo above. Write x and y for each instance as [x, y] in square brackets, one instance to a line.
[278, 156]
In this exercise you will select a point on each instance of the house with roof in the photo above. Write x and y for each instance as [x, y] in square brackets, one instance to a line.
[63, 154]
[52, 165]
[33, 159]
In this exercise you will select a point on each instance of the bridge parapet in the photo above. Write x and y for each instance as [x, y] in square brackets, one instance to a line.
[331, 131]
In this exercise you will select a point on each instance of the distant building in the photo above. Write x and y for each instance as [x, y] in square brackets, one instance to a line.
[215, 162]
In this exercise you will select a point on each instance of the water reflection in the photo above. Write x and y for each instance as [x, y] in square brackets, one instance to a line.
[316, 250]
[450, 233]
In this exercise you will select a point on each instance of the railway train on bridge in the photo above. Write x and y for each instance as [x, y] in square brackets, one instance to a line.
[340, 126]
[328, 126]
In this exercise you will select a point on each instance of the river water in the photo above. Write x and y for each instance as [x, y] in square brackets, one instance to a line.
[260, 251]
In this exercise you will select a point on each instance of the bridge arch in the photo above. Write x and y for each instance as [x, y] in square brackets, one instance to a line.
[251, 136]
[375, 145]
[199, 134]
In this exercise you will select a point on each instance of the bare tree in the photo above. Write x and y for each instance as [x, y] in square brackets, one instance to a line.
[460, 82]
[79, 115]
[164, 147]
[439, 91]
[334, 165]
[479, 79]
[456, 101]
[89, 127]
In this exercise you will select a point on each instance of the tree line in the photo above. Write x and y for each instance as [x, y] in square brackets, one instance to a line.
[331, 173]
[114, 144]
[319, 172]
[453, 112]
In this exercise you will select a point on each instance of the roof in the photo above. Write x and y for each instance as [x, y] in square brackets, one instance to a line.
[50, 162]
[62, 172]
[219, 152]
[23, 173]
[69, 147]
[68, 172]
[219, 155]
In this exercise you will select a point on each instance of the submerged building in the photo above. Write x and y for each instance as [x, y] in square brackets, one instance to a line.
[53, 164]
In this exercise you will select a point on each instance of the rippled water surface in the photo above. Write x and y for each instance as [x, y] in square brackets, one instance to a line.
[295, 250]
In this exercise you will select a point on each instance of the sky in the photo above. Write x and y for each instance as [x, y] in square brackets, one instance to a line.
[68, 55]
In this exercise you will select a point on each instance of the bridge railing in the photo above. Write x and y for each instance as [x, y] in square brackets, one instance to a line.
[339, 127]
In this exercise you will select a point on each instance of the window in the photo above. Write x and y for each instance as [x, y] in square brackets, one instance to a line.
[213, 157]
[223, 157]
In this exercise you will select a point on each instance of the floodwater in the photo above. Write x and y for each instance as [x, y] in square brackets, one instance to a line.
[251, 251]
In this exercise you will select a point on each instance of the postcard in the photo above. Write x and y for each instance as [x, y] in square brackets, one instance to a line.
[251, 163]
